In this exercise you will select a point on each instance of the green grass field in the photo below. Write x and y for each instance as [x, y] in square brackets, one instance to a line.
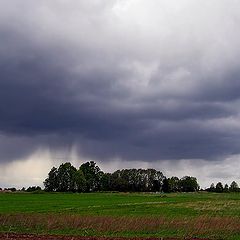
[215, 216]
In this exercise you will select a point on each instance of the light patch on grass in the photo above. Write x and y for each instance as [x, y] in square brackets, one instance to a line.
[140, 203]
[210, 205]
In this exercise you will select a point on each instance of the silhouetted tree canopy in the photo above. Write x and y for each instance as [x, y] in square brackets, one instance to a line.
[233, 187]
[226, 189]
[90, 178]
[92, 174]
[219, 187]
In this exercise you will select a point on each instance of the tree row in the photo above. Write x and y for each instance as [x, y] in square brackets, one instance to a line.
[219, 188]
[90, 178]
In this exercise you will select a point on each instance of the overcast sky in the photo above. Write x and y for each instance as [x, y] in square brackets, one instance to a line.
[127, 83]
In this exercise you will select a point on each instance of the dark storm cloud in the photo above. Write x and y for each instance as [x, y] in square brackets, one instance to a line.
[73, 73]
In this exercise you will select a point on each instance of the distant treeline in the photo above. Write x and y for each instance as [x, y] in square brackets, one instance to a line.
[219, 188]
[29, 189]
[90, 178]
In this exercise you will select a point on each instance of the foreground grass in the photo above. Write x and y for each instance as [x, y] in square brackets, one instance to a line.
[215, 216]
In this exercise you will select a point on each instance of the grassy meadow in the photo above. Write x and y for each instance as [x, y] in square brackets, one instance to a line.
[210, 215]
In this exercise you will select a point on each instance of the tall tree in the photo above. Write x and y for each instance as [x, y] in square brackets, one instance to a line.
[166, 185]
[105, 182]
[226, 188]
[174, 184]
[80, 181]
[219, 187]
[212, 188]
[66, 174]
[92, 175]
[155, 180]
[189, 184]
[234, 187]
[119, 181]
[51, 183]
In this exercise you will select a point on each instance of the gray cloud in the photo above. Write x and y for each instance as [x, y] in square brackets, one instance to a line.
[120, 79]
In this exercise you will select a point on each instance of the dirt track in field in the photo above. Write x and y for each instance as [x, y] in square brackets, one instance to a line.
[12, 236]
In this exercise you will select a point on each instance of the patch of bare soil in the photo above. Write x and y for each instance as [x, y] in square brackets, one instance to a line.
[13, 236]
